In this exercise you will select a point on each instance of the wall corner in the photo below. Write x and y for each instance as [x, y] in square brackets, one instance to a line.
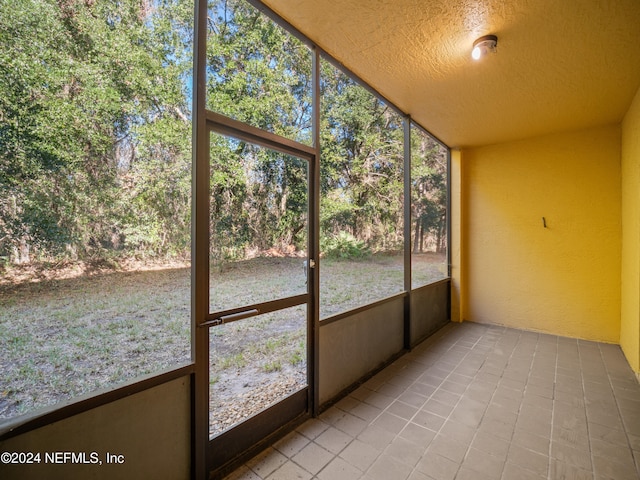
[456, 256]
[630, 274]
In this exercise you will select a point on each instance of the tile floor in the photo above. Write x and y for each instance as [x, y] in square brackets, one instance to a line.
[475, 402]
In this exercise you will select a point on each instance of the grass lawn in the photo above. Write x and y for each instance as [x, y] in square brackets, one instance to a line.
[63, 337]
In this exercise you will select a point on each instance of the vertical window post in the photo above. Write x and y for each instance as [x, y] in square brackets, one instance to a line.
[200, 247]
[407, 231]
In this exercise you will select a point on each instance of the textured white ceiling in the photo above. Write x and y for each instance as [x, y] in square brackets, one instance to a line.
[561, 64]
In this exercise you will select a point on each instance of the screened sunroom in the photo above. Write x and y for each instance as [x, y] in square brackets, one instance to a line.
[269, 239]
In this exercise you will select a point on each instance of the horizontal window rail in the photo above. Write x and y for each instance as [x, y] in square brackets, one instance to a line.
[233, 128]
[61, 411]
[233, 315]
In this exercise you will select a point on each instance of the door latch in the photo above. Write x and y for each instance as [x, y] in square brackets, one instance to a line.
[306, 265]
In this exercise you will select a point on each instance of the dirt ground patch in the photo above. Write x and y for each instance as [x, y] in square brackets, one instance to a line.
[74, 330]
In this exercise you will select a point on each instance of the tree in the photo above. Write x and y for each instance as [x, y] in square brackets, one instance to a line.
[361, 163]
[428, 192]
[92, 101]
[259, 74]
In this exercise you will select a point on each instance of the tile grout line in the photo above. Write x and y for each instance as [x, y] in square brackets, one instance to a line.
[526, 388]
[335, 455]
[486, 407]
[410, 420]
[413, 469]
[370, 423]
[497, 353]
[624, 427]
[553, 407]
[481, 353]
[584, 398]
[461, 396]
[523, 392]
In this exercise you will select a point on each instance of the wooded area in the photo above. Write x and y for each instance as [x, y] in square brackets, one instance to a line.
[95, 131]
[95, 134]
[95, 175]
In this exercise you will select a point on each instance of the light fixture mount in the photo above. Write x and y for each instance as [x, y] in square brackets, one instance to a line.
[484, 45]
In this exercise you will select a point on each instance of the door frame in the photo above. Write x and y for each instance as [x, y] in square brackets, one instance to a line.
[224, 449]
[205, 457]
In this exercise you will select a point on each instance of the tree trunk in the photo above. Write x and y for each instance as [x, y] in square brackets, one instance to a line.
[416, 236]
[440, 247]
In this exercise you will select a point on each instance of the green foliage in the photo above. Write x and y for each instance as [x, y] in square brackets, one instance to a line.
[258, 199]
[428, 192]
[95, 136]
[273, 366]
[259, 74]
[256, 71]
[343, 246]
[362, 164]
[297, 356]
[93, 106]
[233, 361]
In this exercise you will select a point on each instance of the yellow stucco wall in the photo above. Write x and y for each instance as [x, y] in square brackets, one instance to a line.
[630, 315]
[455, 256]
[563, 279]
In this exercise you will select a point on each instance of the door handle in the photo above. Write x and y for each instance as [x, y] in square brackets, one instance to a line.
[232, 317]
[306, 265]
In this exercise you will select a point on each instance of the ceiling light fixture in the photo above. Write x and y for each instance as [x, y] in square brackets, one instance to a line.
[484, 45]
